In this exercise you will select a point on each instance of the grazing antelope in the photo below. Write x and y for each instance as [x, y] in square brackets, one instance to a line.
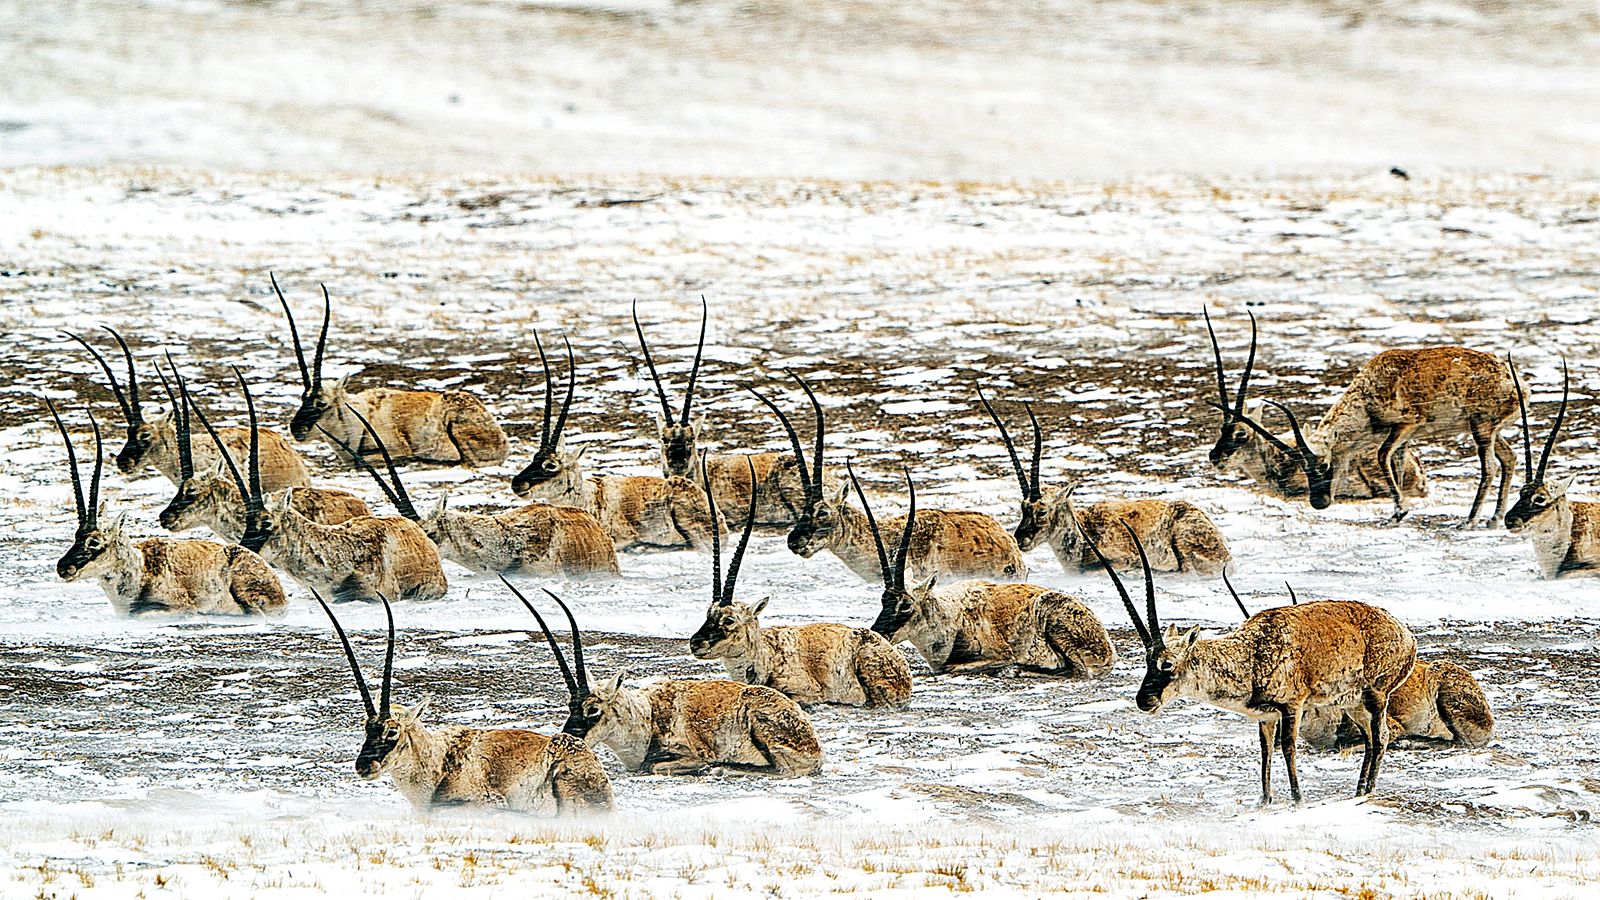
[537, 538]
[818, 663]
[1182, 537]
[160, 574]
[978, 627]
[155, 442]
[1440, 705]
[1240, 448]
[685, 727]
[358, 559]
[430, 426]
[1565, 533]
[634, 510]
[778, 488]
[953, 543]
[456, 765]
[1334, 654]
[213, 500]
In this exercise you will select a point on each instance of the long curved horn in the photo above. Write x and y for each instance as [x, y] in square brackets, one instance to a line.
[388, 659]
[1216, 350]
[688, 396]
[1522, 405]
[1236, 600]
[180, 420]
[355, 667]
[255, 440]
[129, 415]
[322, 339]
[572, 386]
[1293, 600]
[872, 525]
[1011, 449]
[1038, 449]
[1566, 384]
[744, 540]
[1301, 446]
[549, 394]
[1122, 591]
[716, 538]
[227, 458]
[816, 453]
[794, 441]
[134, 410]
[904, 550]
[666, 407]
[1149, 582]
[84, 520]
[1249, 363]
[294, 333]
[561, 660]
[398, 496]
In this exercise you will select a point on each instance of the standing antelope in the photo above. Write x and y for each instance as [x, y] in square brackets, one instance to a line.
[685, 727]
[1240, 448]
[456, 765]
[1183, 538]
[1334, 654]
[778, 489]
[1565, 533]
[953, 543]
[155, 442]
[634, 510]
[358, 559]
[977, 627]
[160, 574]
[431, 426]
[818, 663]
[538, 538]
[213, 500]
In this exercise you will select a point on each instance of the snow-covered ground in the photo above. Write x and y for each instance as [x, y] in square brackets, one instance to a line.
[212, 757]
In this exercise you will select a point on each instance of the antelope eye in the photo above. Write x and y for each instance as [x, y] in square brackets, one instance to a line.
[550, 465]
[727, 620]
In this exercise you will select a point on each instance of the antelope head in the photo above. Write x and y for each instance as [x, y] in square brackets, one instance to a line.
[1035, 525]
[899, 604]
[817, 519]
[679, 436]
[1166, 654]
[1234, 436]
[141, 434]
[1318, 466]
[315, 400]
[259, 524]
[386, 731]
[728, 624]
[584, 708]
[192, 489]
[1538, 495]
[90, 542]
[552, 461]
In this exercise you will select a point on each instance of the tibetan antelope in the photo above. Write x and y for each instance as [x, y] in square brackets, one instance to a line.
[685, 727]
[456, 765]
[1333, 654]
[538, 538]
[160, 574]
[952, 543]
[1565, 533]
[977, 627]
[213, 500]
[154, 442]
[1240, 448]
[358, 559]
[1439, 704]
[429, 426]
[1181, 537]
[778, 489]
[634, 510]
[818, 663]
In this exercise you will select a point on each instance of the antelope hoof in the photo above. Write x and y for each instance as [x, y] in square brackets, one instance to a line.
[1398, 516]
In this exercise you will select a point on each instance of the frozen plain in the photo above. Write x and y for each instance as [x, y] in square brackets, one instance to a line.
[214, 758]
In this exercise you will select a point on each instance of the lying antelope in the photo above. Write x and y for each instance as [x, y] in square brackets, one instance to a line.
[430, 426]
[953, 543]
[977, 627]
[155, 442]
[1565, 533]
[1182, 538]
[818, 663]
[359, 559]
[1240, 448]
[634, 510]
[1332, 654]
[456, 765]
[538, 538]
[213, 500]
[160, 574]
[685, 727]
[778, 488]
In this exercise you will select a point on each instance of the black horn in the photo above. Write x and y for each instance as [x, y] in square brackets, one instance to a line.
[397, 495]
[1561, 414]
[872, 525]
[350, 654]
[661, 392]
[577, 683]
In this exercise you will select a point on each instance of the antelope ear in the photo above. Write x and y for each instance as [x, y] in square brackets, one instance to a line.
[839, 492]
[756, 610]
[578, 454]
[1253, 410]
[439, 508]
[116, 523]
[1558, 488]
[610, 686]
[925, 587]
[1189, 637]
[661, 427]
[281, 502]
[337, 392]
[409, 716]
[698, 426]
